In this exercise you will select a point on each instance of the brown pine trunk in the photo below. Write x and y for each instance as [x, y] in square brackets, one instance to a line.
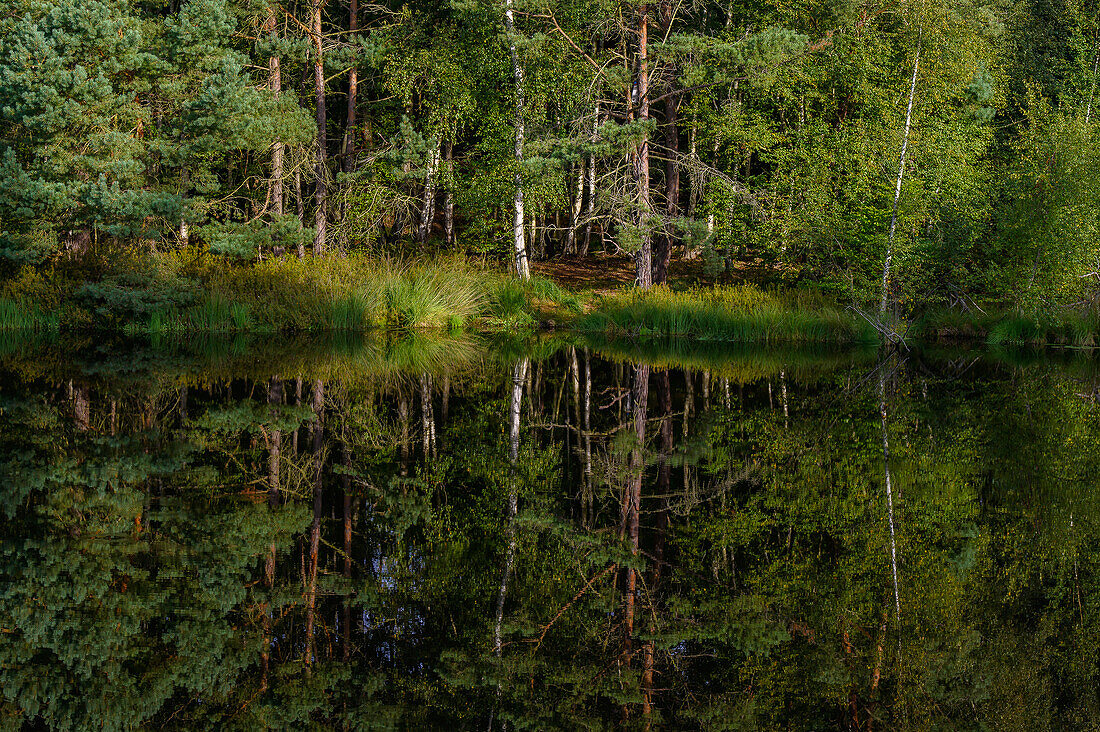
[644, 258]
[353, 92]
[275, 83]
[300, 209]
[320, 215]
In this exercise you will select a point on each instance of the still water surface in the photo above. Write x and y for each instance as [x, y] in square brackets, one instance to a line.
[414, 534]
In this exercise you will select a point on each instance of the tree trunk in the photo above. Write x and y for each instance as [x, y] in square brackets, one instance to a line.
[522, 269]
[449, 195]
[348, 151]
[897, 187]
[672, 168]
[427, 209]
[300, 206]
[672, 189]
[575, 210]
[275, 83]
[644, 257]
[590, 205]
[320, 215]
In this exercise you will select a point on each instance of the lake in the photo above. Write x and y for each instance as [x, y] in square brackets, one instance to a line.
[559, 533]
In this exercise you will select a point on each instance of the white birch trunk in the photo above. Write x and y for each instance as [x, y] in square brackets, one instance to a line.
[521, 267]
[897, 188]
[427, 209]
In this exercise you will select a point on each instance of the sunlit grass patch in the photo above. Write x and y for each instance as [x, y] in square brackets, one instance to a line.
[735, 314]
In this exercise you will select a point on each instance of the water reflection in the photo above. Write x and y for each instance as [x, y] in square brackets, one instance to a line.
[558, 534]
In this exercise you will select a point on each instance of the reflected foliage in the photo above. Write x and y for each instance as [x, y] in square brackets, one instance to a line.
[257, 535]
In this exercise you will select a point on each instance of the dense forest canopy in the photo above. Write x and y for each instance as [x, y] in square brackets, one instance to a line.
[769, 133]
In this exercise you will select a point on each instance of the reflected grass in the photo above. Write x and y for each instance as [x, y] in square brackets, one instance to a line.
[741, 363]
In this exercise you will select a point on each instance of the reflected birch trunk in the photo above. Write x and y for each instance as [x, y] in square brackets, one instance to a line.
[519, 377]
[889, 490]
[427, 416]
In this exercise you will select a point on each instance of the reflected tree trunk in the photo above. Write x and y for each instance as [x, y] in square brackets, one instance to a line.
[427, 416]
[783, 393]
[889, 490]
[345, 480]
[403, 433]
[519, 376]
[315, 527]
[274, 443]
[631, 505]
[82, 411]
[664, 397]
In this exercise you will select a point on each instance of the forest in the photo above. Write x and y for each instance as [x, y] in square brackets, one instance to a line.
[549, 364]
[178, 165]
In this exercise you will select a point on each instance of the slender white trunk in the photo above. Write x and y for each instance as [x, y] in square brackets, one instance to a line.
[427, 209]
[1092, 86]
[575, 213]
[449, 195]
[521, 268]
[897, 187]
[590, 206]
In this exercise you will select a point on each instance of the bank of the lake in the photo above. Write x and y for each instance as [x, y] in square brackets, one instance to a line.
[192, 292]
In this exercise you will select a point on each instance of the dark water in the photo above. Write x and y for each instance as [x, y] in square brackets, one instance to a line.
[416, 534]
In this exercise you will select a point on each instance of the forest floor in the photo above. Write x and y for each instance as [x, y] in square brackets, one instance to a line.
[603, 274]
